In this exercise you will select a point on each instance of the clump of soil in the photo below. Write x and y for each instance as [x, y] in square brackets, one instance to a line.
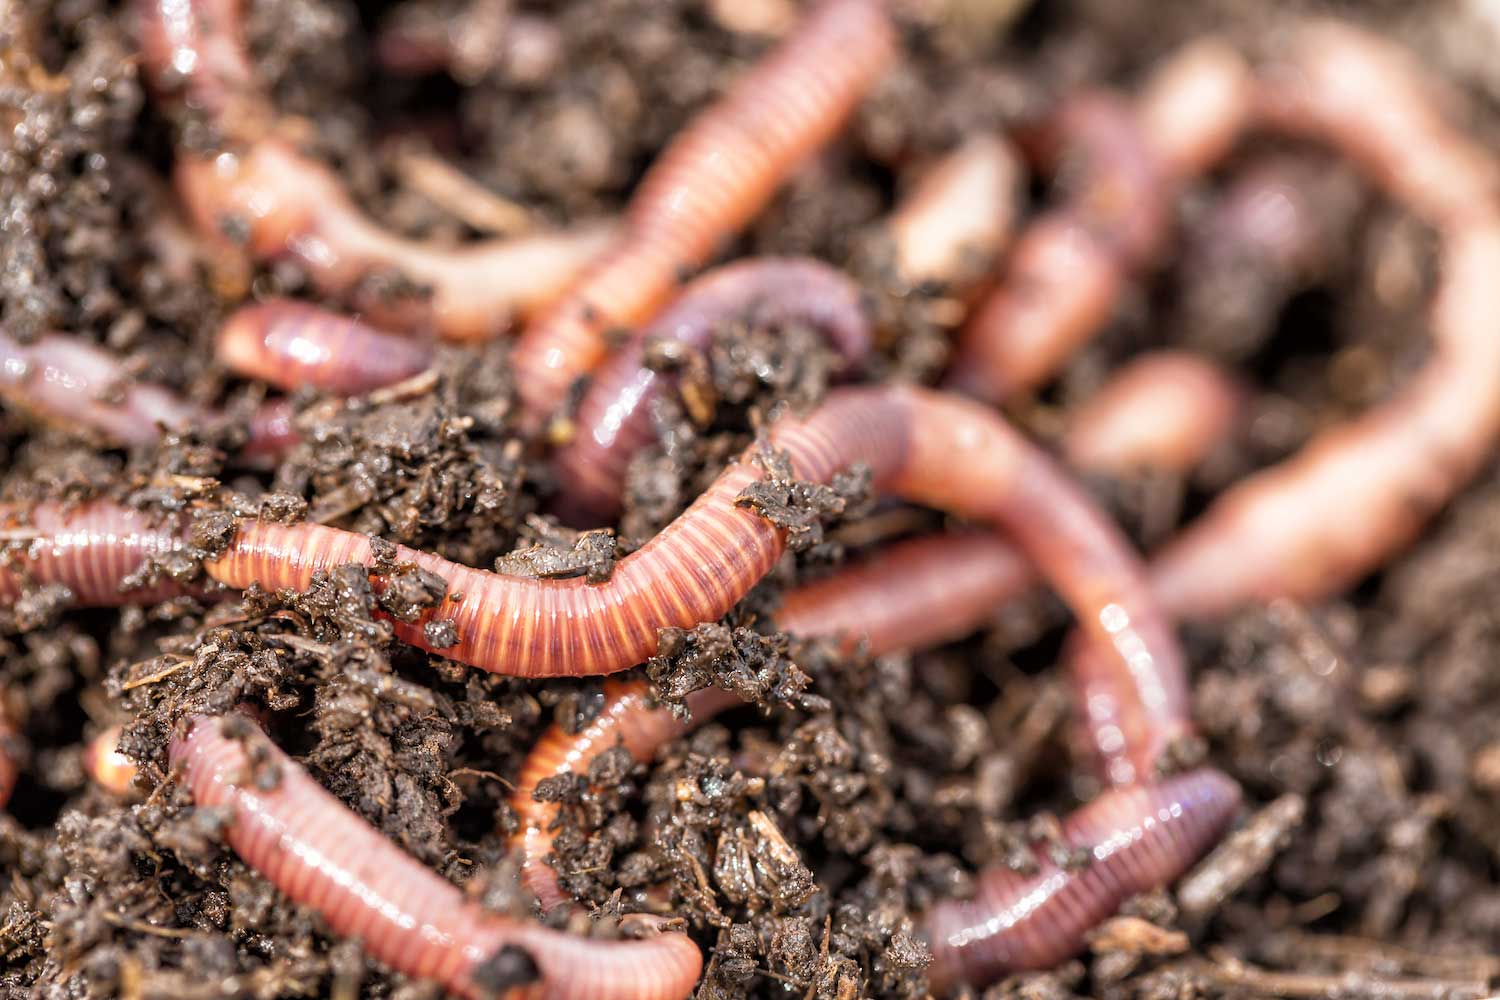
[798, 838]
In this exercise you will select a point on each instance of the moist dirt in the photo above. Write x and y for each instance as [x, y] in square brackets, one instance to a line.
[797, 838]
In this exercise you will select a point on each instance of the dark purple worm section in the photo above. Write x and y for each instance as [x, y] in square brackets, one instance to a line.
[294, 345]
[321, 855]
[614, 419]
[1138, 838]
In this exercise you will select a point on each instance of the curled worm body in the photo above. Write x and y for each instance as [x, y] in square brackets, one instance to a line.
[1137, 838]
[614, 419]
[1320, 520]
[312, 848]
[712, 178]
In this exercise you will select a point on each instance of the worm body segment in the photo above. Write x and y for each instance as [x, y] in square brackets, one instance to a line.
[293, 345]
[957, 218]
[614, 418]
[1164, 410]
[914, 594]
[1069, 267]
[1138, 839]
[711, 179]
[312, 848]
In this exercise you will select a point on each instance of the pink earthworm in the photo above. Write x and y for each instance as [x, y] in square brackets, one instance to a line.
[66, 381]
[1070, 265]
[930, 448]
[948, 230]
[614, 419]
[293, 345]
[321, 855]
[1164, 410]
[293, 207]
[70, 382]
[1138, 839]
[709, 181]
[913, 594]
[1316, 523]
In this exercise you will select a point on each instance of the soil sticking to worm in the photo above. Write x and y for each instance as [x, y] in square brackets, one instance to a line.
[800, 837]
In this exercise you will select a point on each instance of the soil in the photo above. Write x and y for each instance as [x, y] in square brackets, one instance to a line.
[798, 841]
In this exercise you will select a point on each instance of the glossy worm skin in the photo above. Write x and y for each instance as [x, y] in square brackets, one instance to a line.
[959, 215]
[927, 447]
[713, 178]
[293, 345]
[293, 207]
[913, 594]
[1330, 514]
[321, 855]
[614, 419]
[1164, 410]
[70, 383]
[106, 766]
[1138, 839]
[63, 380]
[89, 549]
[1070, 265]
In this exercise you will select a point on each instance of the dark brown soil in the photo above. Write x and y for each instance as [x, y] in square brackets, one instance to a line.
[799, 841]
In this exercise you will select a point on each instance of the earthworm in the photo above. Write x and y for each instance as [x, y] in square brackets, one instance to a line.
[91, 549]
[614, 418]
[1280, 227]
[68, 381]
[106, 766]
[71, 383]
[292, 206]
[1164, 410]
[321, 855]
[948, 230]
[293, 345]
[711, 179]
[1138, 838]
[1317, 522]
[914, 594]
[1069, 266]
[925, 446]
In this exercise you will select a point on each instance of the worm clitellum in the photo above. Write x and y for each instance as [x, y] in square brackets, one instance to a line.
[294, 345]
[294, 207]
[321, 855]
[1069, 266]
[713, 178]
[614, 419]
[1316, 523]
